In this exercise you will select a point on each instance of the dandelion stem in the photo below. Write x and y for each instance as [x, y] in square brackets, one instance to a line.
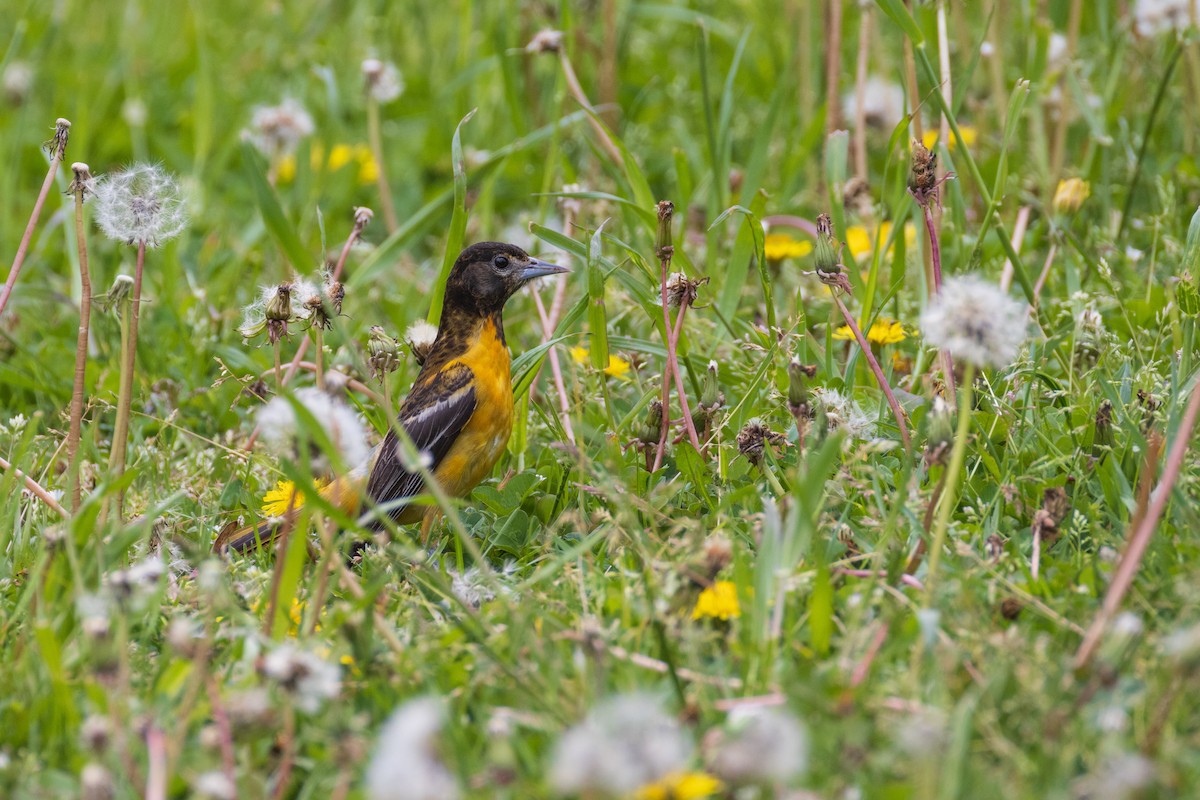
[324, 570]
[59, 144]
[935, 254]
[577, 92]
[35, 488]
[319, 358]
[279, 370]
[953, 472]
[156, 750]
[673, 355]
[833, 64]
[860, 93]
[375, 134]
[288, 756]
[129, 333]
[897, 412]
[81, 347]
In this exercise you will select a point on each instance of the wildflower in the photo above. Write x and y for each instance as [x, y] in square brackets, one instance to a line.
[969, 137]
[752, 440]
[976, 321]
[882, 331]
[96, 782]
[1070, 194]
[1152, 17]
[306, 677]
[340, 425]
[214, 786]
[420, 337]
[17, 81]
[275, 502]
[383, 353]
[383, 79]
[840, 412]
[680, 786]
[883, 103]
[368, 167]
[277, 130]
[719, 601]
[759, 745]
[141, 205]
[406, 765]
[617, 366]
[779, 246]
[627, 742]
[545, 41]
[861, 242]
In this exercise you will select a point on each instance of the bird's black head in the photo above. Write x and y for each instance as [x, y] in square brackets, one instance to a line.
[488, 273]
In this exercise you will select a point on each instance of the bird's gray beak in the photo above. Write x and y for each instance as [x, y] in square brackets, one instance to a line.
[539, 269]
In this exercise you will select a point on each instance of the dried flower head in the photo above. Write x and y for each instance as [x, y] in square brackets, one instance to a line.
[976, 321]
[627, 741]
[17, 81]
[383, 80]
[758, 746]
[140, 205]
[117, 296]
[305, 676]
[922, 175]
[96, 782]
[663, 246]
[96, 732]
[406, 764]
[545, 41]
[383, 353]
[753, 439]
[682, 290]
[81, 180]
[282, 432]
[420, 337]
[839, 412]
[277, 130]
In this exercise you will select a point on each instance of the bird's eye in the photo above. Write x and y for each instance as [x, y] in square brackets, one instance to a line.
[501, 262]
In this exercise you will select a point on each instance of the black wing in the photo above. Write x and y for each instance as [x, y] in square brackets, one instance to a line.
[433, 415]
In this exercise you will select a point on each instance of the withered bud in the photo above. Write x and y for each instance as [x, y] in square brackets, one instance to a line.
[279, 313]
[827, 256]
[941, 431]
[362, 218]
[335, 295]
[545, 41]
[384, 353]
[81, 184]
[663, 247]
[682, 290]
[798, 390]
[96, 732]
[711, 397]
[922, 176]
[652, 426]
[317, 313]
[718, 552]
[753, 439]
[118, 295]
[1102, 440]
[56, 145]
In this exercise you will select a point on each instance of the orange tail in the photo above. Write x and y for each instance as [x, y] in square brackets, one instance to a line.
[344, 493]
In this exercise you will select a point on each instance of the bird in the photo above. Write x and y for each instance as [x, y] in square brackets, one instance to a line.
[459, 412]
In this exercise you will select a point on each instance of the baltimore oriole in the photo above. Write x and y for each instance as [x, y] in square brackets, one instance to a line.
[459, 413]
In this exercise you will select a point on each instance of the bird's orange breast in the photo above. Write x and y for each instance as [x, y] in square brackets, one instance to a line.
[484, 437]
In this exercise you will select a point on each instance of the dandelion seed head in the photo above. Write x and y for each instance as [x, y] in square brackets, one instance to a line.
[282, 435]
[470, 587]
[1118, 777]
[626, 742]
[843, 413]
[96, 782]
[545, 41]
[140, 205]
[214, 786]
[420, 337]
[1152, 17]
[976, 321]
[277, 130]
[307, 677]
[406, 765]
[383, 79]
[883, 103]
[17, 81]
[759, 745]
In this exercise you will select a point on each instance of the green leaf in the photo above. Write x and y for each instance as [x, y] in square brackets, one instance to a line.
[281, 230]
[820, 611]
[458, 222]
[597, 318]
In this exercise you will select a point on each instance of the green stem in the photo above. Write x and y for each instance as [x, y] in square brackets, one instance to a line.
[319, 337]
[375, 134]
[81, 348]
[953, 473]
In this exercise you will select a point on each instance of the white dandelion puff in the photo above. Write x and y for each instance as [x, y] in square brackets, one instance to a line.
[420, 337]
[883, 103]
[842, 413]
[140, 205]
[626, 742]
[282, 434]
[406, 765]
[760, 745]
[277, 130]
[1152, 17]
[307, 677]
[384, 81]
[17, 81]
[976, 321]
[214, 786]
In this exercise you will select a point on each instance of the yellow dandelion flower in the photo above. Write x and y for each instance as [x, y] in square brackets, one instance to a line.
[883, 331]
[275, 502]
[286, 170]
[681, 786]
[1070, 194]
[617, 366]
[316, 156]
[779, 246]
[368, 169]
[719, 601]
[339, 156]
[861, 242]
[969, 136]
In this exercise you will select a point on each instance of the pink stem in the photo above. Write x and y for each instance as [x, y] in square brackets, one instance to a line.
[548, 324]
[156, 748]
[905, 578]
[935, 254]
[666, 378]
[35, 489]
[799, 223]
[1139, 539]
[23, 247]
[672, 353]
[897, 412]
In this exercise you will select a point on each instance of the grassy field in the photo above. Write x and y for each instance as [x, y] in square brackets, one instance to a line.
[915, 581]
